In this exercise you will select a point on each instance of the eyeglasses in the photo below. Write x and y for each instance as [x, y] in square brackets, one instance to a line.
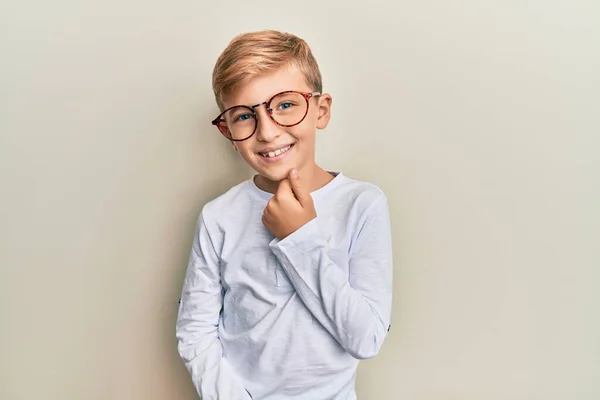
[286, 109]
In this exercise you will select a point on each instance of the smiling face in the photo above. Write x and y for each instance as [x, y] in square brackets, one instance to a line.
[274, 150]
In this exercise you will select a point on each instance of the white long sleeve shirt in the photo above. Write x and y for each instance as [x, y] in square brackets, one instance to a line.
[268, 319]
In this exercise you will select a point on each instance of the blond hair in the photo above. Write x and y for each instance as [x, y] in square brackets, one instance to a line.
[254, 53]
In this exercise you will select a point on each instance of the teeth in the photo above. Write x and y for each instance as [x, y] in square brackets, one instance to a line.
[276, 152]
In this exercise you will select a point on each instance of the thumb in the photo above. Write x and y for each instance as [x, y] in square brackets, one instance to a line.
[300, 192]
[284, 187]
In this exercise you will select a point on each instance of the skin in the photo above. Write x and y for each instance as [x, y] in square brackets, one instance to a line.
[292, 178]
[290, 208]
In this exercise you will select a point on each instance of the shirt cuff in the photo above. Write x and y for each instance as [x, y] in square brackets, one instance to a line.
[305, 238]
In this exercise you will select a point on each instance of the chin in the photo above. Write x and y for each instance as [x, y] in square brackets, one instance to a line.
[276, 173]
[274, 176]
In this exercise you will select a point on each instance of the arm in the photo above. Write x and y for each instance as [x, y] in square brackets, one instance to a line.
[197, 324]
[354, 309]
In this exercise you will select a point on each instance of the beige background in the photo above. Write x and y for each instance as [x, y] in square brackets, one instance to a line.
[480, 121]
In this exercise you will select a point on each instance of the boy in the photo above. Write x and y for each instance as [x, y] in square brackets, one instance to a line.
[290, 276]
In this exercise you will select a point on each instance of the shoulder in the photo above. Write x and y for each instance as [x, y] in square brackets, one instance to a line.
[366, 211]
[362, 195]
[233, 200]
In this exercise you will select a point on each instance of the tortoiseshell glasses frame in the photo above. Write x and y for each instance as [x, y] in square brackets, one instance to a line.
[292, 116]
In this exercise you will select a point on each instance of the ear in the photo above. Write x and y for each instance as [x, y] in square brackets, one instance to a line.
[324, 110]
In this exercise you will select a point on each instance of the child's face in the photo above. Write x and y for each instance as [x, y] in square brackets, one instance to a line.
[269, 136]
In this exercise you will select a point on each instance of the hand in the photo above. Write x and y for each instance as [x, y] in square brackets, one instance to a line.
[290, 208]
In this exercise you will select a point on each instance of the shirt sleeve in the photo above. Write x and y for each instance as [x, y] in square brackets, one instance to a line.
[197, 324]
[354, 307]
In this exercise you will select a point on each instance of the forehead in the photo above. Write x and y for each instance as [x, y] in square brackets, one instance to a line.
[264, 86]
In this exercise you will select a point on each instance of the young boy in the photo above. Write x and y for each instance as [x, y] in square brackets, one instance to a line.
[289, 282]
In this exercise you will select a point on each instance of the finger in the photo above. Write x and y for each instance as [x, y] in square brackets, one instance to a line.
[284, 186]
[284, 190]
[298, 189]
[269, 208]
[268, 213]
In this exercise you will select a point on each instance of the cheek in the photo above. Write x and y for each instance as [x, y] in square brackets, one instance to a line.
[247, 155]
[306, 130]
[305, 134]
[242, 147]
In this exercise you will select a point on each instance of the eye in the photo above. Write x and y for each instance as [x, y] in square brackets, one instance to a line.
[243, 117]
[285, 106]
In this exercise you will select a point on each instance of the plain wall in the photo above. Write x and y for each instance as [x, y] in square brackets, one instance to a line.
[479, 119]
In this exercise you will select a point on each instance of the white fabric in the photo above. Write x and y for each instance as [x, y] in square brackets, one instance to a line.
[273, 319]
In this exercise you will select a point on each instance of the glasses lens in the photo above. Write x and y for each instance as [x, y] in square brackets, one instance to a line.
[288, 108]
[238, 123]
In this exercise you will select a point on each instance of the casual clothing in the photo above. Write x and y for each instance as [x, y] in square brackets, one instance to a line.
[297, 313]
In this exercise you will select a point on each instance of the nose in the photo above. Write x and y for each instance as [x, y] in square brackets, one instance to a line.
[267, 130]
